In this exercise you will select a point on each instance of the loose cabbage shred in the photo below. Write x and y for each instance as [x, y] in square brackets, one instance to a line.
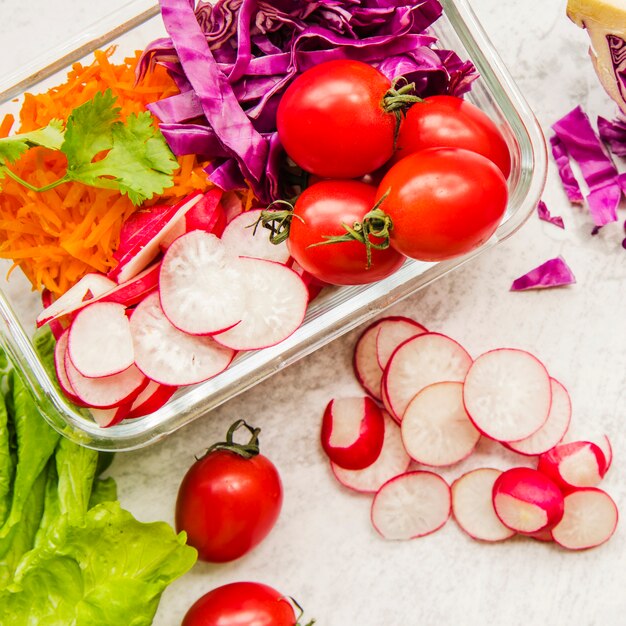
[544, 214]
[553, 273]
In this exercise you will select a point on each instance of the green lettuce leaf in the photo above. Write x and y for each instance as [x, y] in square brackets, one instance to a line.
[6, 462]
[104, 490]
[109, 572]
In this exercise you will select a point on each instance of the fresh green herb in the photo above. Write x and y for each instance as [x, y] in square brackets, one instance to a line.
[132, 156]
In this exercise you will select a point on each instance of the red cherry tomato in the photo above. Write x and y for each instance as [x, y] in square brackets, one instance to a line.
[320, 211]
[442, 202]
[241, 604]
[331, 120]
[450, 122]
[228, 503]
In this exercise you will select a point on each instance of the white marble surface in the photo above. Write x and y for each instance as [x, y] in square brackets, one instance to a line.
[323, 550]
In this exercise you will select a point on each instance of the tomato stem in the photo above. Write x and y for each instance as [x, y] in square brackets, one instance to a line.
[397, 100]
[376, 224]
[300, 614]
[245, 450]
[277, 221]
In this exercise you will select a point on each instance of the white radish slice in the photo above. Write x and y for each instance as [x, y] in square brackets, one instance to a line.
[604, 443]
[411, 505]
[244, 239]
[353, 431]
[86, 289]
[526, 500]
[105, 418]
[365, 363]
[436, 429]
[151, 399]
[596, 437]
[275, 305]
[589, 520]
[201, 285]
[146, 246]
[574, 464]
[472, 505]
[508, 394]
[109, 391]
[391, 333]
[386, 404]
[99, 341]
[392, 461]
[60, 351]
[169, 356]
[421, 361]
[134, 290]
[553, 431]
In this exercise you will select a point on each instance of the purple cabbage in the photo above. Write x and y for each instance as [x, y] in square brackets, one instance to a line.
[544, 214]
[232, 61]
[577, 135]
[568, 180]
[613, 134]
[553, 273]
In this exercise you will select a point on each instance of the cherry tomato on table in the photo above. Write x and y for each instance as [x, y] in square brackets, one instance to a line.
[319, 213]
[442, 202]
[230, 499]
[332, 120]
[242, 604]
[450, 122]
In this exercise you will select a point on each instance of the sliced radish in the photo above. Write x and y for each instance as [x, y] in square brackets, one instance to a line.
[391, 333]
[421, 361]
[553, 431]
[594, 436]
[386, 404]
[411, 505]
[109, 391]
[170, 356]
[145, 245]
[392, 461]
[105, 418]
[589, 520]
[472, 505]
[314, 285]
[604, 443]
[574, 464]
[275, 305]
[136, 289]
[526, 500]
[245, 238]
[365, 363]
[85, 290]
[507, 394]
[60, 351]
[436, 429]
[99, 340]
[151, 399]
[542, 535]
[353, 431]
[202, 287]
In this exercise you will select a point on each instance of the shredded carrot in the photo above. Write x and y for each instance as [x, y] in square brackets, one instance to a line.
[59, 235]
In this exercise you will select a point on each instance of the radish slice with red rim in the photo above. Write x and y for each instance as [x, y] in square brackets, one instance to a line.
[421, 361]
[386, 404]
[436, 429]
[391, 333]
[275, 304]
[472, 505]
[99, 341]
[108, 391]
[392, 461]
[365, 363]
[589, 520]
[244, 236]
[353, 431]
[169, 356]
[526, 500]
[201, 285]
[507, 394]
[60, 352]
[105, 418]
[151, 399]
[411, 505]
[553, 431]
[574, 464]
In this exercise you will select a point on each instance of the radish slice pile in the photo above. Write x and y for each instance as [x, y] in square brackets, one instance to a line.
[438, 402]
[185, 302]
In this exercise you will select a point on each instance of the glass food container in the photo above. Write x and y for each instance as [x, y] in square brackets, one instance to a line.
[336, 310]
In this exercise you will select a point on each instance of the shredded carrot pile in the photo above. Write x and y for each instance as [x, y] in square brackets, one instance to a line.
[59, 235]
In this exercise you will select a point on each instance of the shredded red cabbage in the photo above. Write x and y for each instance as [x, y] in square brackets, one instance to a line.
[613, 134]
[544, 214]
[233, 59]
[553, 273]
[577, 135]
[570, 184]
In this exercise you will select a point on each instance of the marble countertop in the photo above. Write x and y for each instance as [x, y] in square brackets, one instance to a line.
[323, 550]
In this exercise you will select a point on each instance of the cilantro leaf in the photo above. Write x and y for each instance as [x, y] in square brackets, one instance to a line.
[139, 162]
[51, 136]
